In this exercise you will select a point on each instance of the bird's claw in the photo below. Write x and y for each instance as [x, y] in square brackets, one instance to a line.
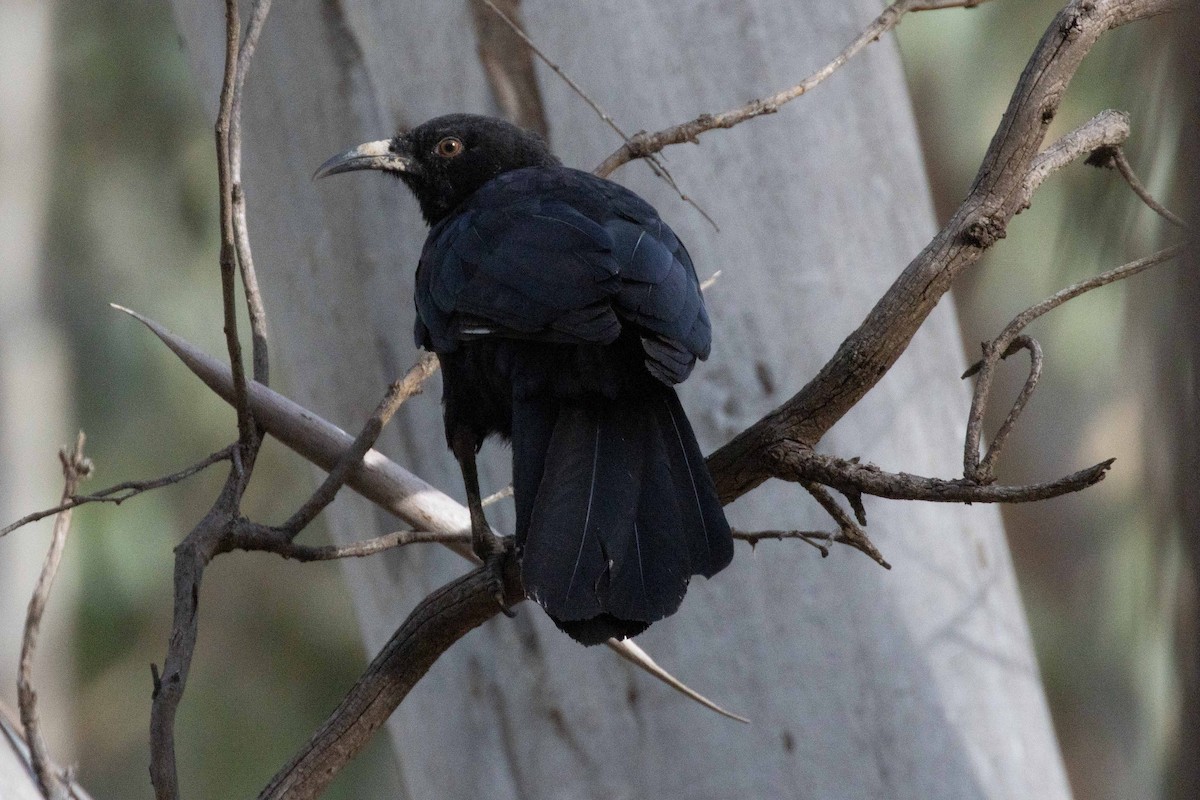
[493, 564]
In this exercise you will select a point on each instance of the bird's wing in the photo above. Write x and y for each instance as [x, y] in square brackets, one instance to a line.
[660, 293]
[559, 255]
[534, 269]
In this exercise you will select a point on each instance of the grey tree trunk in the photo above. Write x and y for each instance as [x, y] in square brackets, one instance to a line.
[32, 396]
[919, 682]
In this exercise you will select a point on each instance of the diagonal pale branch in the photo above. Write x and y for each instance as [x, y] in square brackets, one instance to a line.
[378, 479]
[399, 392]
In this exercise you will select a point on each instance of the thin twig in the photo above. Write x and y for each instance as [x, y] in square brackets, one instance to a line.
[396, 395]
[120, 492]
[496, 497]
[645, 145]
[268, 541]
[1140, 189]
[1004, 344]
[1112, 276]
[853, 535]
[76, 468]
[978, 470]
[655, 164]
[246, 431]
[809, 537]
[260, 357]
[797, 464]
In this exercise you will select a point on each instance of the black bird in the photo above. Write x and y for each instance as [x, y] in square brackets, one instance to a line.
[563, 311]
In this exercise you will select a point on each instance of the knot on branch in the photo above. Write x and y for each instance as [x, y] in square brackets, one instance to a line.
[1073, 26]
[1103, 157]
[985, 231]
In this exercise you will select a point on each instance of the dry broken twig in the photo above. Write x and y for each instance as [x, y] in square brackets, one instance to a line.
[1115, 157]
[121, 492]
[76, 468]
[817, 539]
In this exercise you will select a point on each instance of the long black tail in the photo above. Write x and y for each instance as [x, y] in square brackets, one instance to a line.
[615, 512]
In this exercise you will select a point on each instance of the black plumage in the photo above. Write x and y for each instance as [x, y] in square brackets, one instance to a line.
[563, 311]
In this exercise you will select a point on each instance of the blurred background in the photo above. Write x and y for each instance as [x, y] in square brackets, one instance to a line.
[108, 194]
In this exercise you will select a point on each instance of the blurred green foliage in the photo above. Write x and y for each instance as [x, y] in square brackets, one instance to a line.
[1097, 569]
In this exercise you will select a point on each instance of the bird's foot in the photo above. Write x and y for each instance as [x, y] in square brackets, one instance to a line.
[495, 557]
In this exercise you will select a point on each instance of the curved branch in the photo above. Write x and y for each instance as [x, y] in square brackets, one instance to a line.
[974, 469]
[438, 621]
[995, 197]
[1116, 157]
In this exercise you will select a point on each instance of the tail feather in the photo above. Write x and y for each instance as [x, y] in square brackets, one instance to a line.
[616, 511]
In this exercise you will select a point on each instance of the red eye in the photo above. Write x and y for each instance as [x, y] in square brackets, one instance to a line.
[449, 147]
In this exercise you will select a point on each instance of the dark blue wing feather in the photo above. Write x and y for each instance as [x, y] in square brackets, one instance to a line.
[559, 255]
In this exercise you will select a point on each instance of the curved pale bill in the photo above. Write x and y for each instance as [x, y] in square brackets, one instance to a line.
[372, 155]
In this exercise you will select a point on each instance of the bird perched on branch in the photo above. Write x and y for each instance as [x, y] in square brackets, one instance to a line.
[563, 311]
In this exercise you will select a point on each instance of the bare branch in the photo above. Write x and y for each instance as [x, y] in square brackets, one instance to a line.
[851, 533]
[268, 540]
[377, 478]
[120, 492]
[645, 145]
[813, 538]
[254, 304]
[995, 197]
[437, 622]
[982, 471]
[798, 464]
[1105, 131]
[396, 395]
[76, 468]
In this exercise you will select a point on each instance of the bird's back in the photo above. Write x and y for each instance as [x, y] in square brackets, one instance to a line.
[564, 310]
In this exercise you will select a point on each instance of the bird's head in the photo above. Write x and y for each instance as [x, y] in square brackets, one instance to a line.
[445, 160]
